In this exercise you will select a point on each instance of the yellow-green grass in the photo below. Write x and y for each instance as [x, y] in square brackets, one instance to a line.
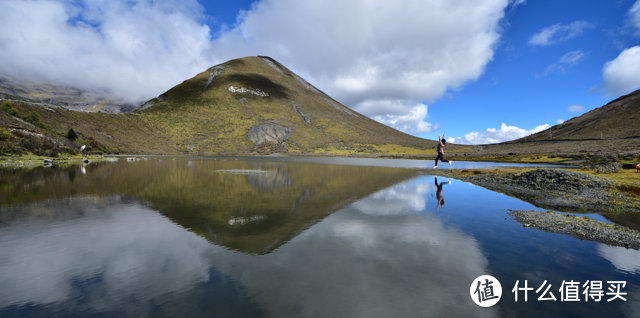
[216, 121]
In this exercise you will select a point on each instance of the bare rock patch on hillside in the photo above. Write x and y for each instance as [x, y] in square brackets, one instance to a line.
[269, 134]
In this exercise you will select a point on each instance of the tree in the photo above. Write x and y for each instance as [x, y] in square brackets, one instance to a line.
[71, 135]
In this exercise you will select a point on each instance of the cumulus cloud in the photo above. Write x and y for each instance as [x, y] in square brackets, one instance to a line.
[575, 108]
[622, 74]
[492, 135]
[559, 33]
[358, 52]
[135, 49]
[568, 59]
[375, 52]
[560, 121]
[411, 123]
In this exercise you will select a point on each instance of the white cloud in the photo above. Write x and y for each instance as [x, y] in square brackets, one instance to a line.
[575, 108]
[412, 123]
[560, 121]
[634, 13]
[378, 51]
[135, 49]
[572, 57]
[357, 52]
[492, 135]
[622, 74]
[559, 33]
[568, 59]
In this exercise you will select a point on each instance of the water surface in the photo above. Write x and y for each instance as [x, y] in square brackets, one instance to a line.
[175, 238]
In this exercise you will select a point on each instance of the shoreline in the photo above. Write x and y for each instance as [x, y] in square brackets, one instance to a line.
[583, 228]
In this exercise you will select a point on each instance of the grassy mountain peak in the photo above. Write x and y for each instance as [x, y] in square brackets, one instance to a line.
[214, 111]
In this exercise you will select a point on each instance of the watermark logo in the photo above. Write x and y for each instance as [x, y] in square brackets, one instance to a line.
[485, 291]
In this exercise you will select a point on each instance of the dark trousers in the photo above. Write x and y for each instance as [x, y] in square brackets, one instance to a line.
[440, 154]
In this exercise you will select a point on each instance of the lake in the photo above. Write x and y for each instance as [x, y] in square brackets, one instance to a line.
[285, 237]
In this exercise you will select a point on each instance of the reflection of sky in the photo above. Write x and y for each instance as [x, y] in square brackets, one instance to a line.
[621, 258]
[113, 254]
[380, 257]
[390, 254]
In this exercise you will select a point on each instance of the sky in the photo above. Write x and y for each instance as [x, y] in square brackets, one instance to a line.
[481, 71]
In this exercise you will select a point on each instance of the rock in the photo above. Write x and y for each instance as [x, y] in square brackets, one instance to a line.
[612, 167]
[269, 134]
[306, 118]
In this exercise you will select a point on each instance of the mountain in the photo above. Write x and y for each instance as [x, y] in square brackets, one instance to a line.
[251, 105]
[68, 97]
[619, 118]
[255, 104]
[613, 128]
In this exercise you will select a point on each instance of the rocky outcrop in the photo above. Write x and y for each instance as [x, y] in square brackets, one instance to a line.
[248, 90]
[269, 134]
[306, 118]
[214, 72]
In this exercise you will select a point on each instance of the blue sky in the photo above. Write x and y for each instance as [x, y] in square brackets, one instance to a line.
[480, 71]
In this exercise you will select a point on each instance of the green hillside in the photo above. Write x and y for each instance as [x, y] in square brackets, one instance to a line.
[252, 105]
[202, 115]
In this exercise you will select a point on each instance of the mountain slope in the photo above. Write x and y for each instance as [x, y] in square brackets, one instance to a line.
[619, 118]
[612, 128]
[67, 97]
[214, 112]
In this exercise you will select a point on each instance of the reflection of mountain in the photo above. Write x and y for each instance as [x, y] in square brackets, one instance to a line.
[251, 215]
[383, 256]
[276, 177]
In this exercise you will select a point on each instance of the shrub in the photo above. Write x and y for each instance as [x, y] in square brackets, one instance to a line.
[94, 143]
[71, 135]
[33, 117]
[9, 109]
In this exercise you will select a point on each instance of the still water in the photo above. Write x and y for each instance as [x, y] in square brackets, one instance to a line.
[310, 238]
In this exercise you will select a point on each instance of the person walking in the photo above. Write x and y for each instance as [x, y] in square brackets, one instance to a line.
[440, 145]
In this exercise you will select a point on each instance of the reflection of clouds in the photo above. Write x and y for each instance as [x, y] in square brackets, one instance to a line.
[403, 198]
[113, 254]
[362, 264]
[621, 258]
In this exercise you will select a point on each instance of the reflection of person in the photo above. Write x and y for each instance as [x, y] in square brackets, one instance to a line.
[439, 193]
[440, 145]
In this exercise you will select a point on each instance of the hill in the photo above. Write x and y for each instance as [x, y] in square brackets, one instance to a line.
[251, 105]
[67, 97]
[255, 104]
[613, 128]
